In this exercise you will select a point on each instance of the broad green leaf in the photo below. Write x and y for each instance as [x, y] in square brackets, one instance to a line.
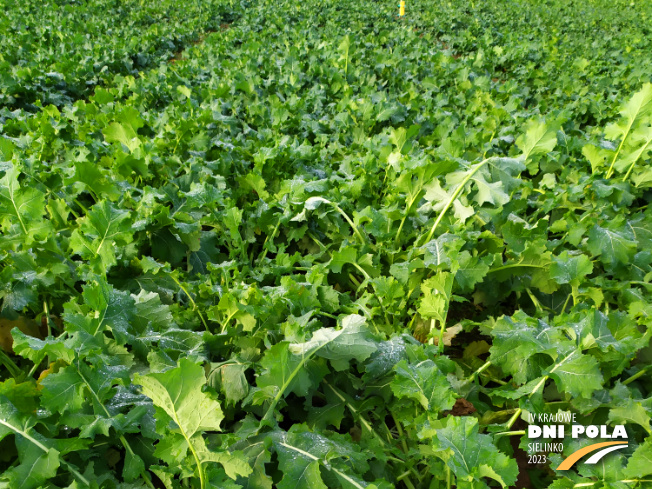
[172, 449]
[442, 251]
[539, 138]
[183, 90]
[613, 246]
[491, 192]
[38, 459]
[301, 452]
[472, 270]
[424, 383]
[570, 269]
[99, 232]
[300, 475]
[23, 395]
[22, 208]
[640, 105]
[332, 414]
[439, 197]
[639, 147]
[291, 367]
[388, 354]
[229, 377]
[178, 393]
[88, 176]
[133, 466]
[339, 346]
[7, 149]
[36, 350]
[437, 293]
[234, 464]
[637, 108]
[519, 338]
[258, 455]
[472, 456]
[632, 133]
[630, 412]
[35, 468]
[284, 373]
[598, 157]
[12, 420]
[122, 133]
[342, 257]
[63, 391]
[639, 464]
[579, 375]
[256, 183]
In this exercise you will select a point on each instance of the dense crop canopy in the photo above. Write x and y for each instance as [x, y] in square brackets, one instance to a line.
[324, 246]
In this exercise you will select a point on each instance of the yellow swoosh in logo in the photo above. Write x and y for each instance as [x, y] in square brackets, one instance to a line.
[575, 456]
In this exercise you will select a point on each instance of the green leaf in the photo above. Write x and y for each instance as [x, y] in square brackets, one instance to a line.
[342, 257]
[284, 373]
[389, 353]
[133, 466]
[123, 134]
[256, 183]
[291, 368]
[38, 456]
[519, 338]
[7, 149]
[539, 138]
[471, 271]
[301, 452]
[300, 475]
[36, 350]
[332, 414]
[230, 378]
[36, 467]
[234, 464]
[258, 455]
[630, 411]
[637, 107]
[472, 456]
[437, 293]
[613, 246]
[491, 192]
[580, 375]
[424, 383]
[22, 208]
[183, 90]
[639, 465]
[596, 156]
[436, 194]
[99, 232]
[89, 176]
[178, 393]
[353, 341]
[62, 391]
[570, 269]
[442, 251]
[633, 131]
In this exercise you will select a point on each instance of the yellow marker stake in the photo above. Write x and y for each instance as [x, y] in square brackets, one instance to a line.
[401, 11]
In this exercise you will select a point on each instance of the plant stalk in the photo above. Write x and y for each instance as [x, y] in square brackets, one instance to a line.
[454, 197]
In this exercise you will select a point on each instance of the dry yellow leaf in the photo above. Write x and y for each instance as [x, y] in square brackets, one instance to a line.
[53, 368]
[25, 324]
[422, 330]
[449, 334]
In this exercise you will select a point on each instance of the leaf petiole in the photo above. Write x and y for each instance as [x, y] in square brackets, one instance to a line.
[455, 195]
[28, 437]
[194, 304]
